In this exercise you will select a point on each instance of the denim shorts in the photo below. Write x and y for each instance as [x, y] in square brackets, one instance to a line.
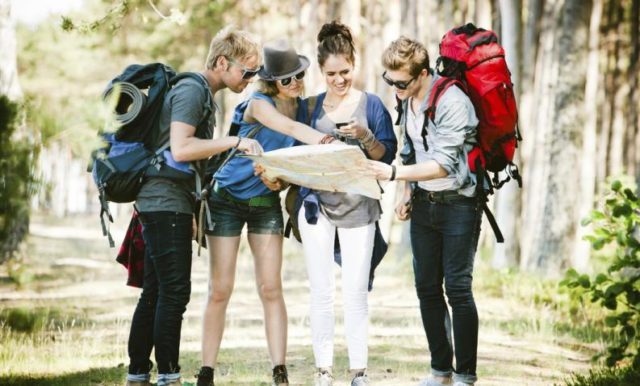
[228, 217]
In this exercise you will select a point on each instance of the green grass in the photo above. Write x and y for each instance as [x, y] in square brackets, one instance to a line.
[70, 324]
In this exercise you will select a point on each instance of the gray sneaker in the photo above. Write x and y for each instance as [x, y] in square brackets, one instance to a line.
[323, 378]
[360, 379]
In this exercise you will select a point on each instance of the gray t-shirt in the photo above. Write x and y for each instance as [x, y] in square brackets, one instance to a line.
[185, 103]
[346, 210]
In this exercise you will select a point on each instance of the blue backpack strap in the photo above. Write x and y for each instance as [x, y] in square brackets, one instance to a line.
[316, 110]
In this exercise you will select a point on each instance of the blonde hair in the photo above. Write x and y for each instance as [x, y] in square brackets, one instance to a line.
[406, 53]
[232, 44]
[267, 87]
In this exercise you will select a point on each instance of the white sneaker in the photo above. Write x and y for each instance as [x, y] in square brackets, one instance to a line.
[458, 383]
[323, 378]
[361, 380]
[432, 382]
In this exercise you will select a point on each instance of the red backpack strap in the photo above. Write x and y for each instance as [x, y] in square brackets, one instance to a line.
[441, 85]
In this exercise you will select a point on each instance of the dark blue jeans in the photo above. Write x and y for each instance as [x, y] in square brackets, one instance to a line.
[157, 320]
[444, 237]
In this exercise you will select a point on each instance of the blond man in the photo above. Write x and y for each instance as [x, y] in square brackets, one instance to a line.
[440, 200]
[166, 205]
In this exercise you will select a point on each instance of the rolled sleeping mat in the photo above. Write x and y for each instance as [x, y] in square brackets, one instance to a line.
[130, 101]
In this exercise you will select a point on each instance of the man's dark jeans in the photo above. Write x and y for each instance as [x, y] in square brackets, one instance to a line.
[157, 320]
[444, 237]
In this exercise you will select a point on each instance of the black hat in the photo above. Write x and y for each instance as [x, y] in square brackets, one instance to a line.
[281, 61]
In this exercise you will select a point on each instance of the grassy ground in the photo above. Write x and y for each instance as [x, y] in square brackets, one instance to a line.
[65, 311]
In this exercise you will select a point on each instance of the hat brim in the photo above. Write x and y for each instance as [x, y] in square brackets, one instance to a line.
[304, 64]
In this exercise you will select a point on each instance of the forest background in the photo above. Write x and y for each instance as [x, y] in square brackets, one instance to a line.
[574, 67]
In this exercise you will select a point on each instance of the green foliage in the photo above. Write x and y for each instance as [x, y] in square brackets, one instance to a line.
[628, 376]
[111, 19]
[17, 181]
[618, 289]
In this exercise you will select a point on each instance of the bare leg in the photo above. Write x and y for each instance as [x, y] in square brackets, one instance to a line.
[267, 254]
[223, 254]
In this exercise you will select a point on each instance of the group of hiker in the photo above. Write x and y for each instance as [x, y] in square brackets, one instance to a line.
[439, 199]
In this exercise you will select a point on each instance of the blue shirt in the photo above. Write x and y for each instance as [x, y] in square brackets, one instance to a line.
[236, 177]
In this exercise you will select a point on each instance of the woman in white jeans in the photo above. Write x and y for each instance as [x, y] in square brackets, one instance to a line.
[367, 124]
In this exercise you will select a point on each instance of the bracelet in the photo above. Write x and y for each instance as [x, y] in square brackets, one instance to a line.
[368, 140]
[393, 173]
[238, 144]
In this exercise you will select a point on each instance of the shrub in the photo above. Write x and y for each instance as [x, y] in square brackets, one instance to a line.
[618, 289]
[17, 182]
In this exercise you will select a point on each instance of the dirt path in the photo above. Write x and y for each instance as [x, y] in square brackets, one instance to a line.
[76, 273]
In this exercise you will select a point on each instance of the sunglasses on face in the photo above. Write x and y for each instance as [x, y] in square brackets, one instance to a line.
[287, 81]
[399, 84]
[247, 73]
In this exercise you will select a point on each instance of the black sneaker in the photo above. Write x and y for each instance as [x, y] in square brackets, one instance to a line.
[205, 376]
[280, 376]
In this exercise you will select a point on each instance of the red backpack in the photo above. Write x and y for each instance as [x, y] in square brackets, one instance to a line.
[472, 59]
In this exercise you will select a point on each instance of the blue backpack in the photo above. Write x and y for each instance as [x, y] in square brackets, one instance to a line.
[128, 155]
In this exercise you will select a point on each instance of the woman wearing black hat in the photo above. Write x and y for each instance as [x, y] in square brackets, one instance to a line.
[241, 197]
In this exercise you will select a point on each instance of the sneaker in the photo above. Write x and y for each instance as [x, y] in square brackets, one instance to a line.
[135, 383]
[323, 378]
[433, 382]
[459, 383]
[205, 376]
[360, 379]
[280, 376]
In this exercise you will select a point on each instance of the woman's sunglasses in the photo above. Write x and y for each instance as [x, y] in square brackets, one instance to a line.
[287, 81]
[399, 84]
[247, 73]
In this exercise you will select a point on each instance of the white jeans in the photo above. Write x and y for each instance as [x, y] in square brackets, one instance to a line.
[356, 246]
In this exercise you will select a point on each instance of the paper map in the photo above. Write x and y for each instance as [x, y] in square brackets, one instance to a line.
[334, 168]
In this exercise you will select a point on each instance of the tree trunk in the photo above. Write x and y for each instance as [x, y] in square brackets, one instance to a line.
[496, 23]
[9, 84]
[618, 98]
[554, 242]
[446, 13]
[507, 202]
[530, 41]
[483, 14]
[588, 164]
[634, 96]
[409, 16]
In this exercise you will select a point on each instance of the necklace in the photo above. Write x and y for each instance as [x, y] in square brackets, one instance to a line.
[332, 105]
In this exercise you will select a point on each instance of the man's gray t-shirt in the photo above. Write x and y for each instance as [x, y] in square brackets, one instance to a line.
[186, 103]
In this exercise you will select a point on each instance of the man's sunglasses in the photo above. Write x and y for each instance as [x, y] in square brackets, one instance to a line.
[287, 81]
[247, 73]
[399, 84]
